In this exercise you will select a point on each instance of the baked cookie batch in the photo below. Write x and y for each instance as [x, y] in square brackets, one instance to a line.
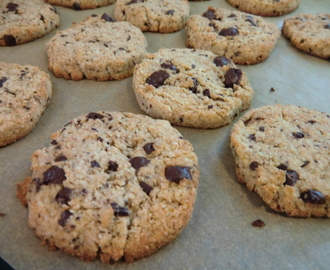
[118, 185]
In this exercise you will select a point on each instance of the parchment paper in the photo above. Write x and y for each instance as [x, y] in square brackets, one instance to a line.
[220, 234]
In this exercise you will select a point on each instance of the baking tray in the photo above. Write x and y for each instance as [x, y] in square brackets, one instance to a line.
[220, 234]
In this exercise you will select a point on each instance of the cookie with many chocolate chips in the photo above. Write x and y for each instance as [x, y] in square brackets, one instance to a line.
[23, 21]
[193, 88]
[99, 48]
[154, 15]
[111, 185]
[282, 152]
[81, 4]
[25, 92]
[270, 8]
[244, 38]
[309, 32]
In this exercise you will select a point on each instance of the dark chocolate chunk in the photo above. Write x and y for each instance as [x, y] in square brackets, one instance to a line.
[2, 81]
[254, 165]
[38, 183]
[135, 1]
[252, 137]
[107, 18]
[229, 32]
[145, 187]
[53, 142]
[94, 116]
[99, 139]
[291, 177]
[194, 88]
[207, 93]
[64, 217]
[95, 164]
[138, 162]
[232, 16]
[251, 22]
[327, 26]
[112, 166]
[258, 223]
[9, 40]
[311, 122]
[12, 7]
[298, 135]
[2, 214]
[76, 6]
[232, 76]
[42, 18]
[54, 175]
[169, 12]
[177, 173]
[169, 66]
[63, 196]
[282, 167]
[119, 211]
[221, 61]
[272, 89]
[313, 197]
[149, 148]
[60, 158]
[305, 164]
[262, 129]
[157, 78]
[210, 14]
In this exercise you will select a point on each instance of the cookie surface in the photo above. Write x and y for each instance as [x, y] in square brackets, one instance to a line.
[309, 32]
[193, 88]
[283, 154]
[25, 92]
[244, 38]
[269, 8]
[35, 17]
[81, 4]
[112, 185]
[79, 51]
[154, 15]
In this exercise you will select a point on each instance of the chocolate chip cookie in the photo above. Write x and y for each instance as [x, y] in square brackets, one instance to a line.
[99, 48]
[25, 92]
[282, 152]
[309, 32]
[244, 38]
[111, 185]
[269, 8]
[81, 4]
[23, 21]
[154, 15]
[193, 88]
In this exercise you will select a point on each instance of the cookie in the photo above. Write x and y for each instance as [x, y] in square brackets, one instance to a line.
[270, 8]
[309, 32]
[81, 4]
[111, 185]
[154, 15]
[36, 19]
[25, 92]
[192, 88]
[244, 38]
[282, 152]
[99, 48]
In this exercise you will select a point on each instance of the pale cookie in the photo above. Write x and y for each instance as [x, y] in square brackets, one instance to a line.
[25, 92]
[98, 48]
[243, 38]
[270, 8]
[310, 33]
[192, 88]
[23, 21]
[154, 15]
[282, 152]
[111, 185]
[81, 4]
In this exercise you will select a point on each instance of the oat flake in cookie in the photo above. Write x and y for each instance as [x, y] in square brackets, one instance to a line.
[111, 185]
[25, 92]
[282, 152]
[98, 48]
[309, 32]
[23, 21]
[193, 88]
[244, 38]
[81, 4]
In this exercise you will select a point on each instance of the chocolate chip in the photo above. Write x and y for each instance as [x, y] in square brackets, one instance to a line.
[53, 9]
[282, 167]
[112, 166]
[99, 139]
[313, 197]
[60, 158]
[169, 66]
[169, 12]
[298, 135]
[2, 81]
[42, 18]
[94, 116]
[272, 89]
[107, 18]
[149, 148]
[207, 93]
[138, 162]
[209, 14]
[64, 217]
[262, 129]
[221, 61]
[229, 32]
[76, 6]
[327, 26]
[145, 187]
[252, 137]
[38, 183]
[254, 165]
[10, 40]
[12, 6]
[2, 214]
[251, 22]
[305, 164]
[232, 76]
[291, 177]
[53, 142]
[157, 78]
[232, 16]
[63, 196]
[177, 173]
[54, 175]
[311, 122]
[258, 223]
[135, 1]
[119, 211]
[194, 88]
[95, 164]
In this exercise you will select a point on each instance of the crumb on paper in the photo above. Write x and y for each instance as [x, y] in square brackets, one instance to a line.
[258, 223]
[272, 89]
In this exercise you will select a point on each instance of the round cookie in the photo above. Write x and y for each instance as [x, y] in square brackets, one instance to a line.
[25, 92]
[270, 8]
[98, 48]
[309, 32]
[192, 88]
[154, 15]
[282, 152]
[81, 4]
[23, 21]
[244, 38]
[111, 185]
